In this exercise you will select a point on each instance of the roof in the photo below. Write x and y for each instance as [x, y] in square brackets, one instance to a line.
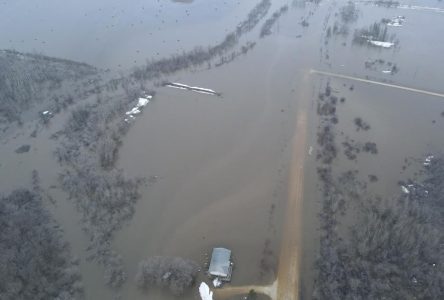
[220, 262]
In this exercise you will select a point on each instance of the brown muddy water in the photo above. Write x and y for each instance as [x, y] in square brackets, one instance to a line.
[219, 167]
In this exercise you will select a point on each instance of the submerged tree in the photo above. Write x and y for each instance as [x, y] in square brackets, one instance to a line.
[35, 262]
[395, 249]
[174, 273]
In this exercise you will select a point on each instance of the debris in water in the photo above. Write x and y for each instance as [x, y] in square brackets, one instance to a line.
[205, 292]
[387, 71]
[191, 88]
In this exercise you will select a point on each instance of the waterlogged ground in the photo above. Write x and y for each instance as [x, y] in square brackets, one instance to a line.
[217, 167]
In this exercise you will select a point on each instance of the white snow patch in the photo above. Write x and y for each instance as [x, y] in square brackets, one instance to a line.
[405, 190]
[416, 7]
[428, 160]
[133, 111]
[382, 44]
[176, 87]
[396, 21]
[197, 89]
[394, 24]
[141, 102]
[205, 292]
[217, 282]
[310, 151]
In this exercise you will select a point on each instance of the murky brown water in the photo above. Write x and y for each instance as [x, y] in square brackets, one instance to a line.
[222, 163]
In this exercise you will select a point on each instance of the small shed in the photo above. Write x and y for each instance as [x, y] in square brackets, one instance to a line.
[220, 264]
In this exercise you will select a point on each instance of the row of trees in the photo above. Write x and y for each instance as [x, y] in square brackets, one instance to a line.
[104, 197]
[269, 23]
[199, 55]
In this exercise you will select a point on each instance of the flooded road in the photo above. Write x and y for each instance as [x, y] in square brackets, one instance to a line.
[288, 277]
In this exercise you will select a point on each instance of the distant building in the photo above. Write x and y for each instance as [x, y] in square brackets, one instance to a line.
[221, 266]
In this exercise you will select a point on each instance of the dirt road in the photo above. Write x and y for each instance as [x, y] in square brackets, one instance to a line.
[289, 259]
[286, 285]
[400, 87]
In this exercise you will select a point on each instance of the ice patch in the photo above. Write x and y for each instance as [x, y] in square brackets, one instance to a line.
[310, 150]
[381, 44]
[416, 7]
[205, 292]
[141, 102]
[405, 190]
[134, 111]
[396, 21]
[196, 89]
[394, 24]
[428, 160]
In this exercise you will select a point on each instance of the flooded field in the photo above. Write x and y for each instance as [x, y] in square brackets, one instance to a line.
[149, 133]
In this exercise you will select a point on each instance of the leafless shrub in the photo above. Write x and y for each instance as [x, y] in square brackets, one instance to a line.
[174, 273]
[361, 125]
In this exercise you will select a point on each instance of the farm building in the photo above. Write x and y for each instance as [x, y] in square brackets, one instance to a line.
[221, 266]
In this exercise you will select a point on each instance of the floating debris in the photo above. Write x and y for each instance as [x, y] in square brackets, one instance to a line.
[142, 102]
[205, 292]
[381, 44]
[191, 88]
[387, 71]
[47, 112]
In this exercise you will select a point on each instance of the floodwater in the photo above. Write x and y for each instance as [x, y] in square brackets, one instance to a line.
[219, 168]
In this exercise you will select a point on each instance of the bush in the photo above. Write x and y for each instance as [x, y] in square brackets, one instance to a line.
[174, 273]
